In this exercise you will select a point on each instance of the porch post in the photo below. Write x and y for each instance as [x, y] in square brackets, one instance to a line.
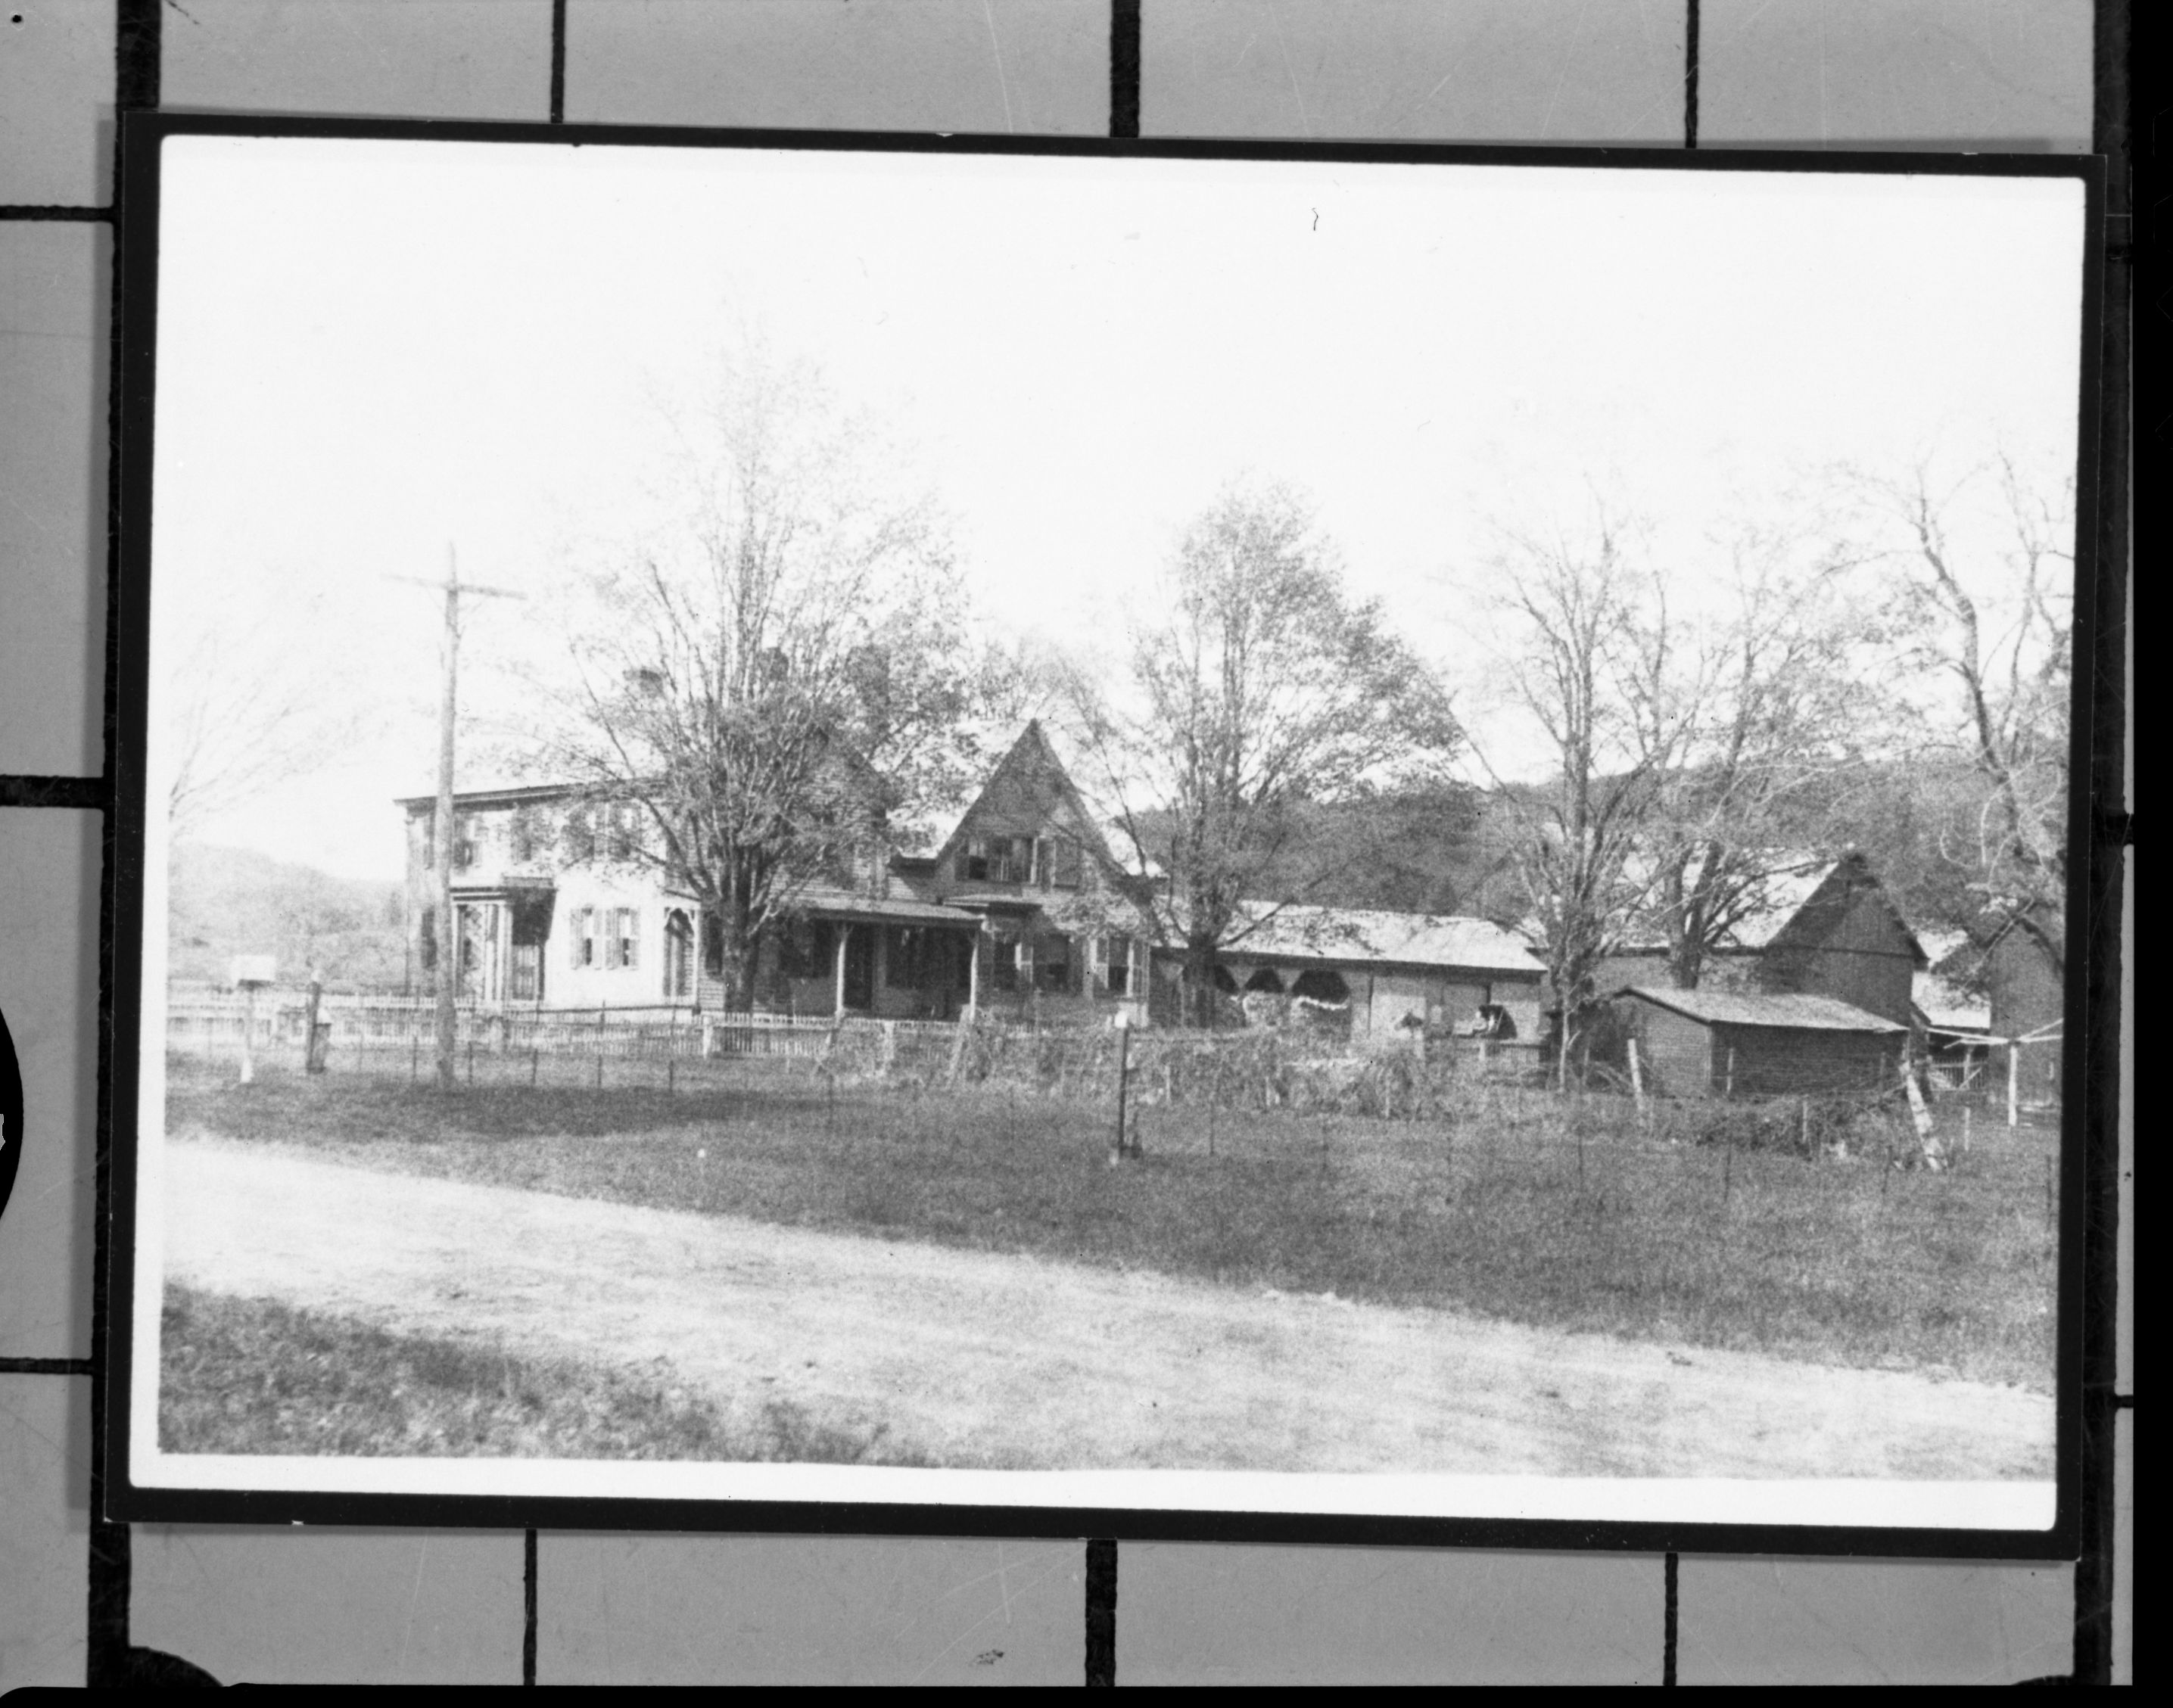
[973, 972]
[844, 932]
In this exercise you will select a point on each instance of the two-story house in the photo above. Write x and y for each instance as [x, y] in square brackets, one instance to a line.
[1020, 909]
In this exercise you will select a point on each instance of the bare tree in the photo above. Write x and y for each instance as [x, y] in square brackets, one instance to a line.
[248, 705]
[1579, 608]
[1985, 609]
[1741, 719]
[780, 686]
[1259, 689]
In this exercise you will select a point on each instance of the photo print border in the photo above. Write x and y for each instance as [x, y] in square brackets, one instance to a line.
[2091, 1039]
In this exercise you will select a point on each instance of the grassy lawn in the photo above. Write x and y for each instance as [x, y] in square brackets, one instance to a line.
[1500, 1209]
[251, 1376]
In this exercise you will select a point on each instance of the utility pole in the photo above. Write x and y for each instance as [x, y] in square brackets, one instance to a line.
[448, 937]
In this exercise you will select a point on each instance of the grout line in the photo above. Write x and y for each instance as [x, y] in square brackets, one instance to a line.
[528, 1595]
[1690, 76]
[1123, 67]
[1669, 1626]
[558, 84]
[46, 1367]
[27, 212]
[136, 40]
[1101, 1613]
[86, 794]
[2112, 137]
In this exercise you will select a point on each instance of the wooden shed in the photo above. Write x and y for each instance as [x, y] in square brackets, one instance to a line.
[1696, 1043]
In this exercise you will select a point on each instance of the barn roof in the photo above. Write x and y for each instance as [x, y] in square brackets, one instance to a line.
[1301, 933]
[1793, 1013]
[1776, 901]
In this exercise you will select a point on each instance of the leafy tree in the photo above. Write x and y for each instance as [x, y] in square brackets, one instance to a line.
[1260, 692]
[778, 687]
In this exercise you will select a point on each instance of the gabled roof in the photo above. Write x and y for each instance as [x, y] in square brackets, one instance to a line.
[1031, 754]
[1776, 902]
[1305, 933]
[1793, 1013]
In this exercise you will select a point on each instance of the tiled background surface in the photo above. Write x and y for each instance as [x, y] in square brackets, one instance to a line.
[333, 1605]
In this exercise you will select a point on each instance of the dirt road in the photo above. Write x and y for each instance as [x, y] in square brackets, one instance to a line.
[1015, 1362]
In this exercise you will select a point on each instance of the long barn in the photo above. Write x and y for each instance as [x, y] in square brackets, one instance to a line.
[1698, 1044]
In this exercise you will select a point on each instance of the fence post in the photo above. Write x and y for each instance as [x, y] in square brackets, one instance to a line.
[1920, 1117]
[1637, 1084]
[534, 1051]
[414, 1059]
[1731, 1070]
[1123, 1085]
[2015, 1082]
[311, 1063]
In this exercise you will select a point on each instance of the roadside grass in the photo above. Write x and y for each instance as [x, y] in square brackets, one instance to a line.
[252, 1376]
[1523, 1206]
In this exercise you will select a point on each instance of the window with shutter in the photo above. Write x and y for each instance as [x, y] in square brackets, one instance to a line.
[630, 937]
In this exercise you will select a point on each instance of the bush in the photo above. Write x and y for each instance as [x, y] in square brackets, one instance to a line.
[1806, 1127]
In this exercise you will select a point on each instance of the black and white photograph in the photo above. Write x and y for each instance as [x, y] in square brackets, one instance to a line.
[1293, 831]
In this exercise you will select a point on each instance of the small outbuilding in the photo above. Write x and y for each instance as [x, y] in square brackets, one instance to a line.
[1698, 1044]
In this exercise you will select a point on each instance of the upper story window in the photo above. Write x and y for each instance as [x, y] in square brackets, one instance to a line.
[997, 860]
[623, 827]
[578, 838]
[465, 836]
[524, 834]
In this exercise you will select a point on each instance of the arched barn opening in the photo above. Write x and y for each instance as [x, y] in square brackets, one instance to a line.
[1264, 979]
[1321, 984]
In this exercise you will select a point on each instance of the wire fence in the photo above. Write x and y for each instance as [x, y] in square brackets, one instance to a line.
[1142, 1079]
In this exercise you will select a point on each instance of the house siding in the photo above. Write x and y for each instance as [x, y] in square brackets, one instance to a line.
[1846, 942]
[1675, 1052]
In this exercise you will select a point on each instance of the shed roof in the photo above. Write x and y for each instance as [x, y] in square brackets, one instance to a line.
[833, 902]
[1791, 1013]
[1306, 933]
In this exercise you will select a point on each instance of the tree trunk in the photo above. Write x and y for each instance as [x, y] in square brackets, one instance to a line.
[1200, 980]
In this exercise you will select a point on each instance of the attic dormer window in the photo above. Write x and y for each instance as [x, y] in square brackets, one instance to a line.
[998, 859]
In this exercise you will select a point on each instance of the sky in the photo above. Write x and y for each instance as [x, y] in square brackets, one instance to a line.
[373, 354]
